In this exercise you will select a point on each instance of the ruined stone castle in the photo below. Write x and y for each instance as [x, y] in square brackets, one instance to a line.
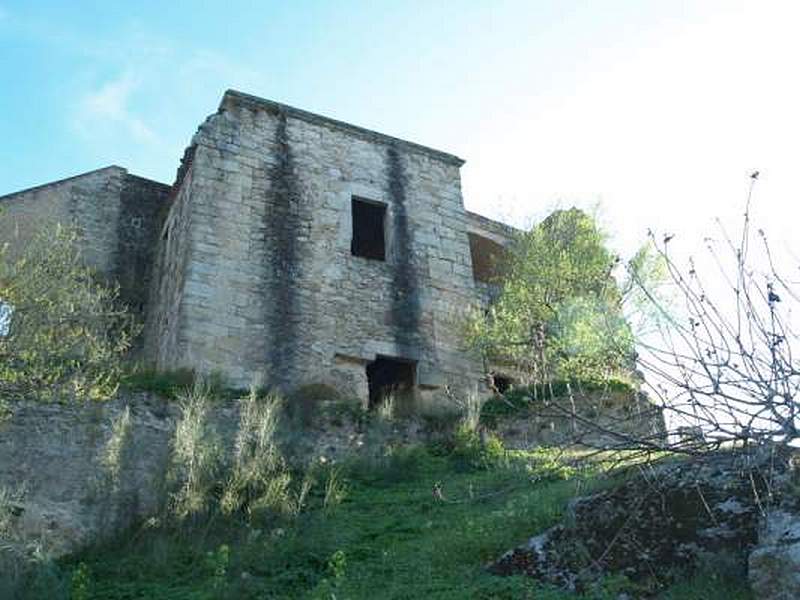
[291, 249]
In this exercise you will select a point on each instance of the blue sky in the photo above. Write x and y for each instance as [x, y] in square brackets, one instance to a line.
[658, 110]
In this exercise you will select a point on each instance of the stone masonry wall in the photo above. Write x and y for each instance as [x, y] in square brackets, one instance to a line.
[170, 264]
[497, 233]
[116, 214]
[271, 290]
[244, 266]
[89, 201]
[142, 208]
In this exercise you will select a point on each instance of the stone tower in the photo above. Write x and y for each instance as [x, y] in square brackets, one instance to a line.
[299, 249]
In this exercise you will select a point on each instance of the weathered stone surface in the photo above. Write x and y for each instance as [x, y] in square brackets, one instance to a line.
[244, 266]
[602, 420]
[81, 483]
[774, 565]
[117, 214]
[658, 522]
[55, 455]
[257, 279]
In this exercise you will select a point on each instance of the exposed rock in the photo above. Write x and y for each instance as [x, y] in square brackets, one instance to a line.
[659, 522]
[774, 565]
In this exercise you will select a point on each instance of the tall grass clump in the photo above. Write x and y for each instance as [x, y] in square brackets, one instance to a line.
[8, 500]
[335, 490]
[471, 409]
[114, 452]
[472, 444]
[197, 455]
[253, 476]
[260, 478]
[385, 409]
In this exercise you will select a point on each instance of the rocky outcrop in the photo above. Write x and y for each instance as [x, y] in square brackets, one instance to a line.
[774, 565]
[662, 521]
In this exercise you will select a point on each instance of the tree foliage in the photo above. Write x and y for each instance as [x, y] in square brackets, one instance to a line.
[559, 313]
[63, 330]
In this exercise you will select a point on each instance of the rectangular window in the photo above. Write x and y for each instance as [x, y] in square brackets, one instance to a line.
[368, 229]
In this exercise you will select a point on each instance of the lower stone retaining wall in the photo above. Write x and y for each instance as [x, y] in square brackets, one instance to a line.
[55, 457]
[76, 476]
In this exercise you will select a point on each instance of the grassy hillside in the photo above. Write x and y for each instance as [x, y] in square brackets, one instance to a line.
[383, 534]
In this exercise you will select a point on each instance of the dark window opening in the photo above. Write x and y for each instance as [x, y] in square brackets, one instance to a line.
[391, 377]
[487, 257]
[501, 383]
[368, 229]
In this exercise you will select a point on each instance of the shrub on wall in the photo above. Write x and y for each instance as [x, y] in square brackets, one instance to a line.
[64, 330]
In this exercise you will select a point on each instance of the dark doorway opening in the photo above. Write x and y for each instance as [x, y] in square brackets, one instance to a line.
[391, 377]
[368, 229]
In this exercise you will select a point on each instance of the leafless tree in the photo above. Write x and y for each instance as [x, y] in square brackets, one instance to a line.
[719, 363]
[723, 365]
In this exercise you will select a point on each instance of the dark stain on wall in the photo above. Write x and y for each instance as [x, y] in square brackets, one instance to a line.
[281, 225]
[138, 226]
[405, 309]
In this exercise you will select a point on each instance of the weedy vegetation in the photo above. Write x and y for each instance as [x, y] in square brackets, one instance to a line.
[419, 521]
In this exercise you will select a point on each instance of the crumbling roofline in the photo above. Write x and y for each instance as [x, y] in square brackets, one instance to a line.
[44, 186]
[478, 223]
[276, 107]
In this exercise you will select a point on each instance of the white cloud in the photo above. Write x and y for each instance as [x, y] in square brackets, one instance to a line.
[107, 108]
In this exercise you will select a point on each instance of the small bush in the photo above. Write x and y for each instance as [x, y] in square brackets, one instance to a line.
[519, 401]
[172, 384]
[218, 562]
[80, 583]
[395, 465]
[64, 330]
[478, 450]
[548, 464]
[346, 410]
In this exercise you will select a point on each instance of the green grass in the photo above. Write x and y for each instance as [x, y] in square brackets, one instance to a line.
[171, 384]
[389, 539]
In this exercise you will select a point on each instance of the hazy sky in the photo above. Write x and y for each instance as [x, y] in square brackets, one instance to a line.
[659, 110]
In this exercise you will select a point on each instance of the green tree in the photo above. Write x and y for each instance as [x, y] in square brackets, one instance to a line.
[559, 313]
[63, 330]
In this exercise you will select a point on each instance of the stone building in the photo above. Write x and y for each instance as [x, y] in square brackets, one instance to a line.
[292, 249]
